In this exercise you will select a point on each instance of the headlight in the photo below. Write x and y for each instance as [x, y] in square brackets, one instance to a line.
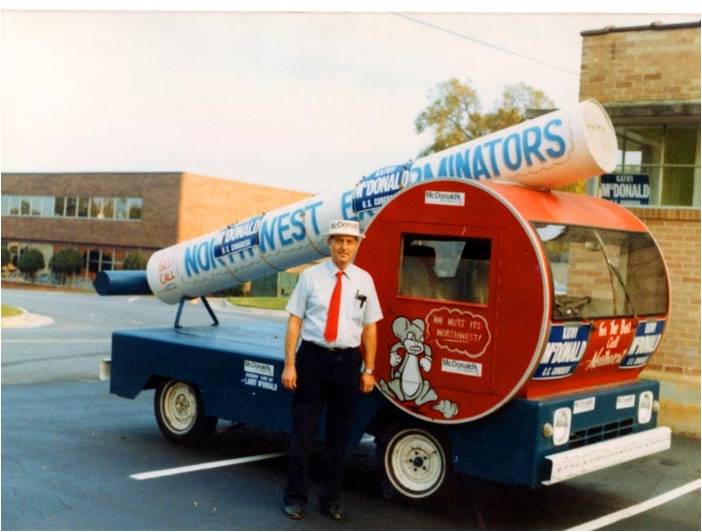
[561, 425]
[645, 407]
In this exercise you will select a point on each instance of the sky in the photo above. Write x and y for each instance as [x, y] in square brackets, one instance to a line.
[307, 101]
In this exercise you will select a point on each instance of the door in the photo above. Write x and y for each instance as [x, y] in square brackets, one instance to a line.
[441, 316]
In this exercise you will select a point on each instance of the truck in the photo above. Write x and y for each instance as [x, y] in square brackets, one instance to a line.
[517, 319]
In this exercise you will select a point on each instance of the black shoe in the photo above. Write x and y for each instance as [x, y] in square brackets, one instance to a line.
[294, 511]
[334, 511]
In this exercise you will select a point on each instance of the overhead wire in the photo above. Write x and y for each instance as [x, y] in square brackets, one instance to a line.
[484, 43]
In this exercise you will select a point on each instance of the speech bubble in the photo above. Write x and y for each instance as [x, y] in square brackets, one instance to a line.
[458, 331]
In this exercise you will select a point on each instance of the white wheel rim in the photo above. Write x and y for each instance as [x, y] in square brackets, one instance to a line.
[179, 407]
[415, 463]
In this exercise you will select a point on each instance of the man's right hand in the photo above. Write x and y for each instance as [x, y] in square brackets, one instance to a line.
[292, 334]
[289, 378]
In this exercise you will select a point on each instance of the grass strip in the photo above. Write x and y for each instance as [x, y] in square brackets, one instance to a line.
[268, 303]
[8, 311]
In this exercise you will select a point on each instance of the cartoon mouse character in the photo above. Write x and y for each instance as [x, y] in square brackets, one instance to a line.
[408, 357]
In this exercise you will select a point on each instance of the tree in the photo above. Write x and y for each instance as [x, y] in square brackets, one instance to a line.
[30, 262]
[66, 262]
[135, 261]
[513, 108]
[6, 257]
[455, 115]
[455, 112]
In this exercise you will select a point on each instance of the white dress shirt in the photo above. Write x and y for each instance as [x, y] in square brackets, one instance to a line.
[359, 303]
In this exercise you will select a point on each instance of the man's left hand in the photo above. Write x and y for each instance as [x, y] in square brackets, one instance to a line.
[367, 383]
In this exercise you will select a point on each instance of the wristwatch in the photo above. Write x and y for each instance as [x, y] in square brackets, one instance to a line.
[368, 371]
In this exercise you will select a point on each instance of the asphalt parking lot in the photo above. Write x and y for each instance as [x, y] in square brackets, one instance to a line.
[70, 450]
[75, 457]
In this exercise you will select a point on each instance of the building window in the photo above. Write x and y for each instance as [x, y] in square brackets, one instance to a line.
[669, 155]
[96, 208]
[36, 202]
[135, 206]
[47, 209]
[120, 208]
[101, 208]
[83, 207]
[97, 260]
[14, 205]
[71, 205]
[59, 206]
[108, 209]
[17, 248]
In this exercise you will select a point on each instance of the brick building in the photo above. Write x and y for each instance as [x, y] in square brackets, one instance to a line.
[108, 215]
[648, 79]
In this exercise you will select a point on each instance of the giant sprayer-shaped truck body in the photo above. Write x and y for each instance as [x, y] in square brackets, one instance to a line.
[517, 320]
[547, 152]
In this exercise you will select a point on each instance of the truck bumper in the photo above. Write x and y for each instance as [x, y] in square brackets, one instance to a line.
[576, 462]
[604, 431]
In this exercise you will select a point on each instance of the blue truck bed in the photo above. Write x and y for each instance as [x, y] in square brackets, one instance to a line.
[237, 369]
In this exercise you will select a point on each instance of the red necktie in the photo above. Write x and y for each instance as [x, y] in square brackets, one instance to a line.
[333, 316]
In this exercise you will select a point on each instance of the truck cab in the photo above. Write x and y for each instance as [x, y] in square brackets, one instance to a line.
[517, 322]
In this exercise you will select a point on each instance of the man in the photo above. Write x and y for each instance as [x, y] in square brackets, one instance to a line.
[334, 307]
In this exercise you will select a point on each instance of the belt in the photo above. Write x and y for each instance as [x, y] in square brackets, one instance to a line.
[329, 349]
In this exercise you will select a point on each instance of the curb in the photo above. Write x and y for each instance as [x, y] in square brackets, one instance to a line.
[26, 320]
[43, 287]
[680, 401]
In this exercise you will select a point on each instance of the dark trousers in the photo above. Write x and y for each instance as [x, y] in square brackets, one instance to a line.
[324, 378]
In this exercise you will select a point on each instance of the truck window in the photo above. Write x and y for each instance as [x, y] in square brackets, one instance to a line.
[600, 273]
[444, 268]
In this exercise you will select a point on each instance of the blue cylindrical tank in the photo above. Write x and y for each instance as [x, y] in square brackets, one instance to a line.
[122, 283]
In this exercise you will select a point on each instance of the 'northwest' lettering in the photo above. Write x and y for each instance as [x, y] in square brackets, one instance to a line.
[288, 227]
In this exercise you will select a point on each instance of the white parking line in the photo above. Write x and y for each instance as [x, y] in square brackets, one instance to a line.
[132, 299]
[200, 467]
[631, 511]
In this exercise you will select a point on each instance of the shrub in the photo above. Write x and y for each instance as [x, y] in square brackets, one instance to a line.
[68, 261]
[30, 262]
[135, 261]
[6, 257]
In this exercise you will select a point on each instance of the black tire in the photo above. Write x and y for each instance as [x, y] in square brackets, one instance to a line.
[180, 415]
[412, 462]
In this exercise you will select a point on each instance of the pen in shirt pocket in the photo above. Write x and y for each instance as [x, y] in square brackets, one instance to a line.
[361, 298]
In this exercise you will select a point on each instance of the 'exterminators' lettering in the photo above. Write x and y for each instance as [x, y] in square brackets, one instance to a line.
[512, 154]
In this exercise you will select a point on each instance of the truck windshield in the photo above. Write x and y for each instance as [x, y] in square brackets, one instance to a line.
[601, 273]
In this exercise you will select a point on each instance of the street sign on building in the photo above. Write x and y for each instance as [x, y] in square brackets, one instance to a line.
[626, 189]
